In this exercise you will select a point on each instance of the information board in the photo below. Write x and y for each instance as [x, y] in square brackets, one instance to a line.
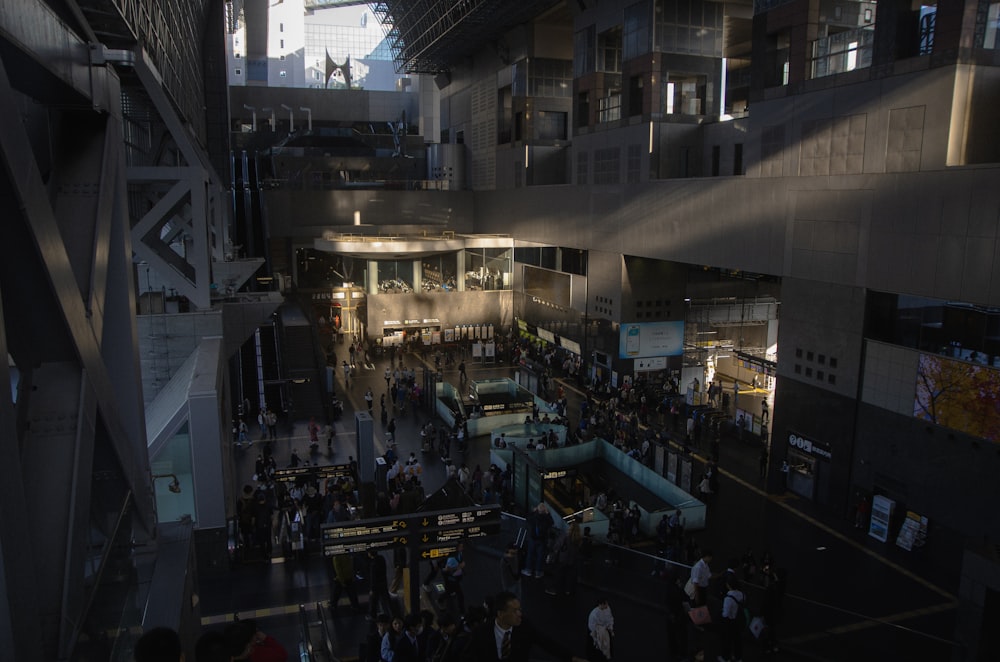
[423, 529]
[638, 341]
[290, 474]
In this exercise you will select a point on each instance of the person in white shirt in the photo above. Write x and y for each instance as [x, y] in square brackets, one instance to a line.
[601, 625]
[701, 576]
[733, 622]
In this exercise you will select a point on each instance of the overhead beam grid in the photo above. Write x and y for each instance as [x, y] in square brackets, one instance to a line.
[429, 36]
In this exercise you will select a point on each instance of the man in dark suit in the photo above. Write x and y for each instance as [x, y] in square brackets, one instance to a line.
[508, 639]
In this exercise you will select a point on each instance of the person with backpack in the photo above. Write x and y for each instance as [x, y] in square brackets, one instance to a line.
[733, 621]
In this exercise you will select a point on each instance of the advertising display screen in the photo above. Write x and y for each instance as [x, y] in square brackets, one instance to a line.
[550, 286]
[637, 341]
[960, 395]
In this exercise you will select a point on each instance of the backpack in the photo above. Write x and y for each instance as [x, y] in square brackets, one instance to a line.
[742, 613]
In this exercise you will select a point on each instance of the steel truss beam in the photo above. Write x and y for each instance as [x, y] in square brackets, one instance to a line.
[191, 199]
[68, 303]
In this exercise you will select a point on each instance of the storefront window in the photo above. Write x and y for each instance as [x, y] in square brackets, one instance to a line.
[395, 276]
[487, 269]
[438, 273]
[320, 270]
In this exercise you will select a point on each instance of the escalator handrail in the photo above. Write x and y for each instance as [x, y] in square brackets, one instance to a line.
[327, 639]
[305, 641]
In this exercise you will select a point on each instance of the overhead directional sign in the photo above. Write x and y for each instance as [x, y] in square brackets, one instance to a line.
[313, 472]
[362, 534]
[449, 535]
[423, 529]
[438, 552]
[357, 546]
[460, 517]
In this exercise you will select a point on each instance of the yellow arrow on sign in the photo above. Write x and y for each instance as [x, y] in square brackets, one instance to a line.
[425, 522]
[402, 541]
[425, 538]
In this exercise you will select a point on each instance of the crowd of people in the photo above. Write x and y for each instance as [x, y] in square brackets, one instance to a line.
[631, 416]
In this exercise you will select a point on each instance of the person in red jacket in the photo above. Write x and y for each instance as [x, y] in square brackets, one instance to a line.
[246, 642]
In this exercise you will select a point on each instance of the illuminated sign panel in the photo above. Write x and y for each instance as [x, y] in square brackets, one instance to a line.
[640, 341]
[418, 528]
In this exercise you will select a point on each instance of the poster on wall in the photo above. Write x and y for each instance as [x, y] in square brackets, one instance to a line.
[639, 341]
[648, 365]
[878, 526]
[449, 335]
[477, 350]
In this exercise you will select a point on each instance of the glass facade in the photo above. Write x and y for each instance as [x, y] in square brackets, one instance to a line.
[542, 77]
[487, 268]
[637, 39]
[609, 51]
[174, 459]
[321, 270]
[843, 51]
[584, 51]
[438, 273]
[395, 276]
[992, 26]
[116, 612]
[550, 126]
[955, 329]
[688, 26]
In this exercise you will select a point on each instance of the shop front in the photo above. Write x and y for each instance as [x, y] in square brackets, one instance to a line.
[425, 331]
[808, 465]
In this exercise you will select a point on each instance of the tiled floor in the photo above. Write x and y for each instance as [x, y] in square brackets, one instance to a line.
[849, 596]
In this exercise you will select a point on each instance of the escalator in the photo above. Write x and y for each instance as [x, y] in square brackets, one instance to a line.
[257, 373]
[315, 642]
[249, 234]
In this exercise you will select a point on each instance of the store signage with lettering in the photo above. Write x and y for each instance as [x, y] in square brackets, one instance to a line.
[811, 447]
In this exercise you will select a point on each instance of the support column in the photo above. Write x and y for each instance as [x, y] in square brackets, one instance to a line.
[372, 276]
[460, 269]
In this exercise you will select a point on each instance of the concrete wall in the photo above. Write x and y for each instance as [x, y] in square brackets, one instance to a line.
[930, 234]
[166, 341]
[308, 214]
[943, 474]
